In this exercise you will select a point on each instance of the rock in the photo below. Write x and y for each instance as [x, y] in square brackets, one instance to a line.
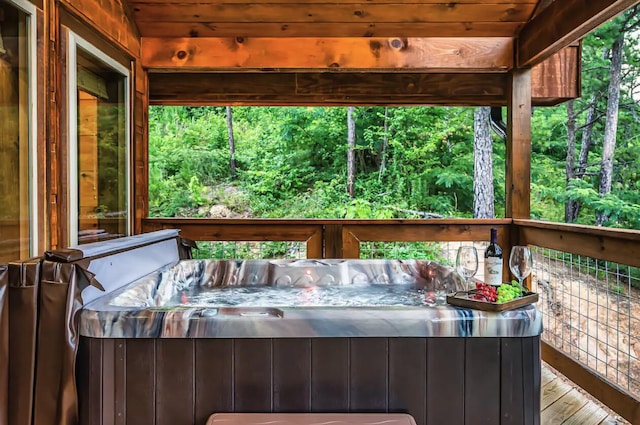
[219, 211]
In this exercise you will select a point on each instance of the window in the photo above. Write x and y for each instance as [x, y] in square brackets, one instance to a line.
[99, 145]
[17, 137]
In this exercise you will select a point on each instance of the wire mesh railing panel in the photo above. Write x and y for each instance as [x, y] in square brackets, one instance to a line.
[247, 250]
[591, 312]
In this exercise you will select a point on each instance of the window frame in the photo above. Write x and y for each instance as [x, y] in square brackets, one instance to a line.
[75, 41]
[30, 10]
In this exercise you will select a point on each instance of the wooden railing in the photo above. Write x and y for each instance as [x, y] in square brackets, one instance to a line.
[342, 238]
[600, 244]
[334, 238]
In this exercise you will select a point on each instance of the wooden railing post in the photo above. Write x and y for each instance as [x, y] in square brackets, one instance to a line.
[332, 234]
[350, 244]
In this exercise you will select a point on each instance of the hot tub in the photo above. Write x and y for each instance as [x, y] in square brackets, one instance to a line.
[196, 337]
[297, 298]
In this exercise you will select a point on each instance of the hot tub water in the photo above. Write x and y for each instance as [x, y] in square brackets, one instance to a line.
[380, 295]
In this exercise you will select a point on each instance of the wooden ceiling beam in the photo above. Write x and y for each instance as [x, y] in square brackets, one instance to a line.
[326, 89]
[336, 12]
[490, 54]
[327, 83]
[561, 23]
[321, 29]
[553, 81]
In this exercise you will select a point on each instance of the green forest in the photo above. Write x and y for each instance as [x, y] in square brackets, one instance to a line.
[407, 162]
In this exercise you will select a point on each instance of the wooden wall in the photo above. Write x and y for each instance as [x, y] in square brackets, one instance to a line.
[108, 26]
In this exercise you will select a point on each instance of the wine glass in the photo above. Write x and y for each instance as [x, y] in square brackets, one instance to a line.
[467, 263]
[520, 263]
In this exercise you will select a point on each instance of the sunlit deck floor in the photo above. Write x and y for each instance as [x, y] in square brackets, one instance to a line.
[563, 403]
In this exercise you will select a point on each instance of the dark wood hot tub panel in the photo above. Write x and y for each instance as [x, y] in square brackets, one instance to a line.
[183, 381]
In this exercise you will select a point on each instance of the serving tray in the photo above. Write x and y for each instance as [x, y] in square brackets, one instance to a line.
[461, 299]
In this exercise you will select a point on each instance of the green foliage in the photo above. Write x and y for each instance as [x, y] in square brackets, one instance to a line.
[292, 161]
[245, 250]
[404, 251]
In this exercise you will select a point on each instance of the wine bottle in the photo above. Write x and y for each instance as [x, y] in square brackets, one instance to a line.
[493, 261]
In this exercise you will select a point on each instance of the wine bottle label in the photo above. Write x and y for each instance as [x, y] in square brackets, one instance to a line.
[493, 270]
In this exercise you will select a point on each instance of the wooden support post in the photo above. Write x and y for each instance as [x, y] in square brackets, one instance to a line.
[350, 244]
[140, 169]
[518, 157]
[518, 164]
[332, 241]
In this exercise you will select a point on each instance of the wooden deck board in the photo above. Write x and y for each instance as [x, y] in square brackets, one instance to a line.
[547, 376]
[589, 414]
[562, 403]
[553, 391]
[563, 408]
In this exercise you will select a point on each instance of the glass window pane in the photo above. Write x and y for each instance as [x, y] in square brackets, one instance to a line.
[102, 150]
[14, 134]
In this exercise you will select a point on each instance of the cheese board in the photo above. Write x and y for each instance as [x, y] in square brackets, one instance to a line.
[462, 299]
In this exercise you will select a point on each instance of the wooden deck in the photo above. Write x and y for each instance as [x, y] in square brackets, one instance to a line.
[563, 403]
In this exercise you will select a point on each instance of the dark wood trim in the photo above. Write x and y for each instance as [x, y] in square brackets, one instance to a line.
[518, 154]
[616, 398]
[41, 135]
[562, 23]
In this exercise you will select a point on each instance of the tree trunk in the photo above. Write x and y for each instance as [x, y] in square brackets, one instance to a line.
[232, 143]
[483, 196]
[611, 126]
[385, 143]
[351, 160]
[587, 142]
[570, 207]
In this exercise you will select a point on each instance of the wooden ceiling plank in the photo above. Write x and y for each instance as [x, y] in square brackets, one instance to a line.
[357, 29]
[335, 12]
[481, 54]
[562, 23]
